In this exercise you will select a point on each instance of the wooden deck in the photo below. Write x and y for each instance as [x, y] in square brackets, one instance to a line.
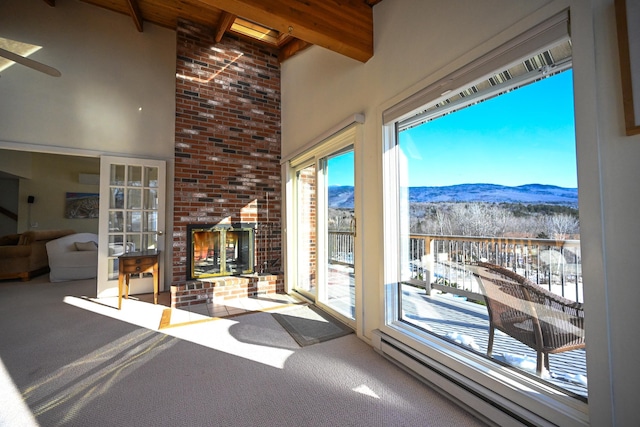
[446, 315]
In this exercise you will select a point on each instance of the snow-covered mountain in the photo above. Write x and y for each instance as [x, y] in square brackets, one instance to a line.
[342, 196]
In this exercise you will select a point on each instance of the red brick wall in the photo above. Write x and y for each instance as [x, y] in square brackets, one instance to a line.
[227, 155]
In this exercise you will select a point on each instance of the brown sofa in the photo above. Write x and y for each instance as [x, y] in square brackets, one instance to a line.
[23, 256]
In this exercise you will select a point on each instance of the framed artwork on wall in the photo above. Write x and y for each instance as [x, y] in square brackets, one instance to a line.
[628, 23]
[81, 205]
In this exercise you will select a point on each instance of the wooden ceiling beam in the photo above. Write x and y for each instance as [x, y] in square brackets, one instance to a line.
[225, 22]
[284, 39]
[291, 48]
[136, 13]
[345, 27]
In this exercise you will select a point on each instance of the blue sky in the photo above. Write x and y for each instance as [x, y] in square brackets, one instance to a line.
[341, 169]
[524, 137]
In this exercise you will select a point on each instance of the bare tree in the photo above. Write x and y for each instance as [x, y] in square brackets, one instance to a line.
[487, 220]
[561, 225]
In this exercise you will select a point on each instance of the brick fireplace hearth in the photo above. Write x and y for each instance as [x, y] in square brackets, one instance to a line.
[227, 155]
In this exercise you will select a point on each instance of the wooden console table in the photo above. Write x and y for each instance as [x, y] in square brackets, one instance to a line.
[135, 263]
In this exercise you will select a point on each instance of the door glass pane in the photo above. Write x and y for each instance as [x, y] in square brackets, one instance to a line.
[306, 223]
[116, 246]
[116, 199]
[117, 175]
[135, 176]
[151, 177]
[150, 221]
[134, 198]
[150, 199]
[340, 226]
[116, 221]
[149, 241]
[134, 221]
[133, 242]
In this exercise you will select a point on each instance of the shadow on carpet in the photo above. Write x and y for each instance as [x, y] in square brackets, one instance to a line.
[309, 325]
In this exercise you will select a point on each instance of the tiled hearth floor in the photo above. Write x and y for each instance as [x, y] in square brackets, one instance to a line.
[217, 309]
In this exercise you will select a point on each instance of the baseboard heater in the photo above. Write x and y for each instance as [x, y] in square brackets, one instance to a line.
[486, 405]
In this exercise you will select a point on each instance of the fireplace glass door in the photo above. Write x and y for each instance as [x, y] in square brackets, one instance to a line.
[219, 251]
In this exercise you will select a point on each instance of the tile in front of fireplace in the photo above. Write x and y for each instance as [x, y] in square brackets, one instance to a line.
[233, 307]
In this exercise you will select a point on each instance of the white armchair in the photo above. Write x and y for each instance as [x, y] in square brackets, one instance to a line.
[73, 257]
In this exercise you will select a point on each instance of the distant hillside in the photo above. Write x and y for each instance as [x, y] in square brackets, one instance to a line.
[342, 196]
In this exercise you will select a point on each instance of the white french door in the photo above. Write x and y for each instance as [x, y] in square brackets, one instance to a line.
[132, 218]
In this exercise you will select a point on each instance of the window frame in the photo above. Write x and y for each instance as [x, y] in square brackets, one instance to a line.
[506, 387]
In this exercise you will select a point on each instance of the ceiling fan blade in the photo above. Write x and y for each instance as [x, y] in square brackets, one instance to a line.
[38, 66]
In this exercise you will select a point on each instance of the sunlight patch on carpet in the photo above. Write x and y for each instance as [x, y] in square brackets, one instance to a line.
[363, 389]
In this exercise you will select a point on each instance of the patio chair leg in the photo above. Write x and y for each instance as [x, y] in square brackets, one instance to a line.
[546, 361]
[490, 344]
[539, 363]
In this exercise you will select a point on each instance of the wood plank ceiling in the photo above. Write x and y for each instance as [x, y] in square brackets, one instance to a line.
[343, 26]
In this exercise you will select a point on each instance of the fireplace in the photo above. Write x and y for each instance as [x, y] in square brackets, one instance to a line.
[219, 250]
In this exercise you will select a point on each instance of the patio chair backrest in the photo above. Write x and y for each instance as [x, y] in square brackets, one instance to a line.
[540, 319]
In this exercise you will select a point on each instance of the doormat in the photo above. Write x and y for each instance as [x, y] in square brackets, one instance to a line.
[309, 325]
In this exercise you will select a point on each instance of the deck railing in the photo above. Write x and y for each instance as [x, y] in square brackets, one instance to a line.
[341, 247]
[442, 261]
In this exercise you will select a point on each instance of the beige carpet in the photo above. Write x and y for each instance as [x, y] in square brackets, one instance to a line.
[65, 365]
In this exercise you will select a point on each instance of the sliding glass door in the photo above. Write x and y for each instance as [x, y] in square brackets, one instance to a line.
[325, 226]
[305, 183]
[336, 175]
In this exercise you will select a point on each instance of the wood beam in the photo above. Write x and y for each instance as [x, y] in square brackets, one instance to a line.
[51, 3]
[224, 23]
[284, 39]
[136, 14]
[291, 48]
[345, 27]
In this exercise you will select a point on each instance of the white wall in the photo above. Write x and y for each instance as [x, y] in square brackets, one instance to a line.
[116, 95]
[419, 41]
[109, 70]
[53, 176]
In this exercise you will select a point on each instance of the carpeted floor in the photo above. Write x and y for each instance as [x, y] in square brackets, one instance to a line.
[65, 365]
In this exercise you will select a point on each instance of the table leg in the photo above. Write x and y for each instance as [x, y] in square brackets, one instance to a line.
[120, 290]
[156, 282]
[126, 292]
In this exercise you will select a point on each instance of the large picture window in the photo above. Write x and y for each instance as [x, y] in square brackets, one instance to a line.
[482, 233]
